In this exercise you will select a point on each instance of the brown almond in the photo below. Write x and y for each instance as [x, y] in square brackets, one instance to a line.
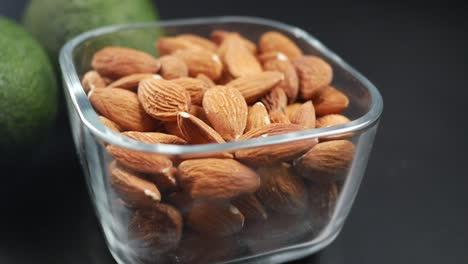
[277, 116]
[322, 200]
[281, 190]
[216, 179]
[200, 41]
[163, 99]
[330, 101]
[201, 61]
[227, 111]
[290, 83]
[275, 100]
[238, 59]
[200, 113]
[271, 55]
[117, 62]
[169, 45]
[110, 124]
[257, 117]
[276, 41]
[305, 116]
[314, 75]
[159, 229]
[171, 127]
[331, 120]
[155, 137]
[291, 109]
[195, 131]
[92, 80]
[219, 36]
[253, 87]
[208, 82]
[180, 200]
[195, 87]
[326, 160]
[250, 207]
[131, 82]
[133, 190]
[165, 180]
[122, 107]
[215, 219]
[172, 67]
[141, 161]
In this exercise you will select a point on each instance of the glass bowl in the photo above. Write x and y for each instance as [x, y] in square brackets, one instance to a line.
[285, 234]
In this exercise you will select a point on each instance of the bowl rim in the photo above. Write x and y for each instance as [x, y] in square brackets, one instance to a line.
[90, 118]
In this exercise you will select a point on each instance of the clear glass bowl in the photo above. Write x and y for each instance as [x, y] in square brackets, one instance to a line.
[283, 236]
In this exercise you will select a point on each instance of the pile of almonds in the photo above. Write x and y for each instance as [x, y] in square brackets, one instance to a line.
[225, 89]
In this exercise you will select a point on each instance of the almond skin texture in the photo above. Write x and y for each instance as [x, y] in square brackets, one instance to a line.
[314, 75]
[277, 117]
[155, 137]
[250, 207]
[281, 190]
[169, 45]
[201, 61]
[255, 86]
[123, 108]
[227, 111]
[195, 131]
[117, 62]
[219, 36]
[110, 124]
[291, 109]
[172, 67]
[332, 120]
[290, 83]
[209, 83]
[275, 41]
[217, 179]
[158, 229]
[131, 82]
[134, 191]
[199, 41]
[238, 59]
[215, 219]
[271, 55]
[326, 160]
[330, 101]
[276, 100]
[269, 155]
[92, 80]
[163, 99]
[305, 116]
[195, 87]
[257, 117]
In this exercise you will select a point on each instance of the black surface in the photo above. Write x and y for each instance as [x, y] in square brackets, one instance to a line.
[412, 203]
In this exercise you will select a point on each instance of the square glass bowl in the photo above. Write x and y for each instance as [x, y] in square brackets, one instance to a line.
[284, 235]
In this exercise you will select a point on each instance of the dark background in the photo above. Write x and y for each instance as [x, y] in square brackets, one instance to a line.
[412, 205]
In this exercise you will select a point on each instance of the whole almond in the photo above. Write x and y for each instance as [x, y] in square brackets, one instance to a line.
[281, 190]
[257, 117]
[215, 219]
[122, 107]
[250, 207]
[195, 131]
[271, 55]
[305, 116]
[272, 154]
[227, 111]
[330, 101]
[277, 116]
[163, 99]
[159, 229]
[172, 67]
[169, 45]
[331, 120]
[322, 200]
[314, 75]
[275, 100]
[200, 41]
[276, 41]
[201, 61]
[326, 160]
[219, 36]
[216, 179]
[238, 59]
[290, 83]
[131, 82]
[110, 124]
[155, 137]
[117, 62]
[204, 78]
[291, 109]
[132, 189]
[254, 86]
[92, 80]
[195, 87]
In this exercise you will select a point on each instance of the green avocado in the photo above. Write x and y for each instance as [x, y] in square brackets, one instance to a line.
[28, 89]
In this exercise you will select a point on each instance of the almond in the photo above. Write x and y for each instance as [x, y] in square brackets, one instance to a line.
[201, 61]
[200, 41]
[291, 109]
[257, 117]
[154, 137]
[326, 160]
[322, 200]
[131, 82]
[305, 116]
[331, 120]
[133, 190]
[330, 101]
[123, 108]
[199, 112]
[219, 36]
[208, 82]
[158, 229]
[277, 116]
[281, 190]
[117, 62]
[195, 87]
[238, 59]
[276, 100]
[215, 219]
[172, 67]
[180, 200]
[195, 131]
[290, 83]
[169, 45]
[250, 207]
[272, 154]
[171, 127]
[163, 99]
[254, 86]
[227, 111]
[271, 55]
[165, 180]
[216, 179]
[276, 41]
[110, 124]
[92, 80]
[314, 75]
